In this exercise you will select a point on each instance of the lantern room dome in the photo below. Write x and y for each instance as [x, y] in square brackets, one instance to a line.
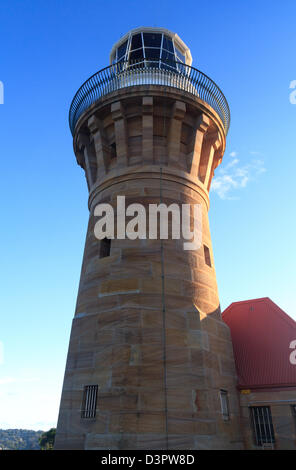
[149, 56]
[145, 45]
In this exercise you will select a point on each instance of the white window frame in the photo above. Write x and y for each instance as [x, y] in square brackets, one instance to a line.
[224, 405]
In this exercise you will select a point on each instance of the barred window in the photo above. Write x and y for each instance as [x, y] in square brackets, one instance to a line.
[262, 425]
[224, 405]
[89, 401]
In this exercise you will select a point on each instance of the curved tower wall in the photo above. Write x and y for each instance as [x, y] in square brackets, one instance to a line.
[147, 328]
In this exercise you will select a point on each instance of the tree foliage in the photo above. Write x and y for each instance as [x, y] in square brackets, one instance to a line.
[19, 439]
[46, 440]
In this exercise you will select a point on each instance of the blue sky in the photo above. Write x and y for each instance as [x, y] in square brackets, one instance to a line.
[47, 50]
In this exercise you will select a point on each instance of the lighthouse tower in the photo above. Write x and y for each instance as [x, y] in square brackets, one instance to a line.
[150, 361]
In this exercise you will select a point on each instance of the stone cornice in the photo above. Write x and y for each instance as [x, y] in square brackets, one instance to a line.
[149, 172]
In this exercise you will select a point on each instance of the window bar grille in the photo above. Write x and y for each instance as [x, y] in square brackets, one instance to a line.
[262, 425]
[265, 421]
[89, 402]
[254, 425]
[224, 405]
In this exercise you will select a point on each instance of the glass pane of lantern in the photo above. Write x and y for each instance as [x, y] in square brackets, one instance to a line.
[152, 53]
[152, 39]
[167, 57]
[136, 41]
[180, 55]
[136, 55]
[167, 44]
[121, 50]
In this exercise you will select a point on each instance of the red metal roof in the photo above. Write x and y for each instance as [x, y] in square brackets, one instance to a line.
[261, 336]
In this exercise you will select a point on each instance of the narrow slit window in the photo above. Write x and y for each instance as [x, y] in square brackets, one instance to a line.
[113, 153]
[224, 405]
[105, 247]
[207, 256]
[262, 425]
[89, 401]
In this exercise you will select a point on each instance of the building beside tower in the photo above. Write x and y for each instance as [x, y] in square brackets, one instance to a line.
[150, 362]
[264, 345]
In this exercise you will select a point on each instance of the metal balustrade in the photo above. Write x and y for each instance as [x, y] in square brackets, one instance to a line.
[170, 74]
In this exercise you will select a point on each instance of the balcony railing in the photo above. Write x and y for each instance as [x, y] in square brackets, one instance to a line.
[122, 75]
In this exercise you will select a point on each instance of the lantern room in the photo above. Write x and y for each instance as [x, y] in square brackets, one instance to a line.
[151, 46]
